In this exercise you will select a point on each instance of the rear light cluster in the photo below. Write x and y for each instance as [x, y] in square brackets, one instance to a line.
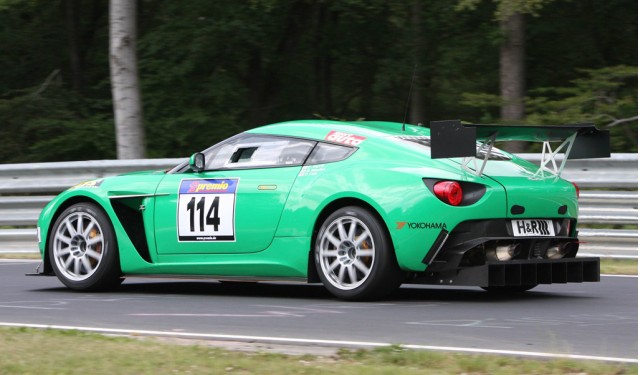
[449, 192]
[577, 189]
[455, 193]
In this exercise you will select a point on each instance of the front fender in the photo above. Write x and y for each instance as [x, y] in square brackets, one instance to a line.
[52, 210]
[100, 192]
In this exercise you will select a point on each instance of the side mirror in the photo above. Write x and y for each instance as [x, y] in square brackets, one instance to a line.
[196, 162]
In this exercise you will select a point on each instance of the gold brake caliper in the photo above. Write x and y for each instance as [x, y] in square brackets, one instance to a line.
[98, 247]
[368, 259]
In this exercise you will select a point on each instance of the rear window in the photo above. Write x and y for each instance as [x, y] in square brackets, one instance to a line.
[327, 153]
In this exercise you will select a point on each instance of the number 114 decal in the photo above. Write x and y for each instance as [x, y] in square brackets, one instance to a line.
[206, 210]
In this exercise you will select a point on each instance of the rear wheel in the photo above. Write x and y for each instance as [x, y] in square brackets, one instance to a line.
[83, 250]
[354, 256]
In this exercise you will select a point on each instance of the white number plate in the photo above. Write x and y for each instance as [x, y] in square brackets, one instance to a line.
[535, 228]
[206, 210]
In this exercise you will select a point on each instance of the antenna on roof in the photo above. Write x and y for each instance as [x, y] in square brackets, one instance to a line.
[406, 109]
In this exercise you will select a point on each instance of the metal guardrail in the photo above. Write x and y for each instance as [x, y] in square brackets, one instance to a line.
[48, 178]
[620, 171]
[603, 206]
[26, 188]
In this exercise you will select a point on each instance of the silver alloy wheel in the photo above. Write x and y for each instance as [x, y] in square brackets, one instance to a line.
[78, 246]
[346, 252]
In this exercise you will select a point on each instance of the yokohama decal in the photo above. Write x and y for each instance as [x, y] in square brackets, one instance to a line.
[413, 225]
[344, 138]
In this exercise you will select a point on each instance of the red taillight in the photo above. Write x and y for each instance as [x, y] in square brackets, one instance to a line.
[577, 190]
[449, 192]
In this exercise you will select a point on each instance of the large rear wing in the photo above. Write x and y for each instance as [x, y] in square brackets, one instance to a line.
[450, 139]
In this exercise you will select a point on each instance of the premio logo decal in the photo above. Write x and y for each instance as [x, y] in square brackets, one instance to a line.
[207, 186]
[344, 138]
[420, 225]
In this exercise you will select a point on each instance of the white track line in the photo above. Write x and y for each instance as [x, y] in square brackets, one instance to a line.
[293, 341]
[631, 276]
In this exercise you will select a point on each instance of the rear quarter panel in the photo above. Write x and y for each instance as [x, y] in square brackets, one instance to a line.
[541, 194]
[394, 188]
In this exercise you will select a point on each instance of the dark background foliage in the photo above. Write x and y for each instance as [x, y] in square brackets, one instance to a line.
[210, 69]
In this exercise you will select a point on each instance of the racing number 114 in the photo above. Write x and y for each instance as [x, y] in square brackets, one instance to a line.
[212, 215]
[206, 210]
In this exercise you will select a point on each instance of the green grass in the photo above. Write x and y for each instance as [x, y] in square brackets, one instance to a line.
[618, 266]
[20, 256]
[31, 351]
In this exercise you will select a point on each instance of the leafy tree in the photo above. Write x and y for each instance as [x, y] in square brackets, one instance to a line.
[209, 69]
[511, 16]
[605, 96]
[50, 122]
[42, 118]
[571, 60]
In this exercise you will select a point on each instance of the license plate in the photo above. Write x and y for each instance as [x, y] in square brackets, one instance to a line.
[536, 228]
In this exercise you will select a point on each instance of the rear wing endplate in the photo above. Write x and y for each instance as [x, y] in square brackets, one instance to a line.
[451, 138]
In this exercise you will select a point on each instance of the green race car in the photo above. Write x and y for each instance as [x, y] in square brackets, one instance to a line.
[360, 206]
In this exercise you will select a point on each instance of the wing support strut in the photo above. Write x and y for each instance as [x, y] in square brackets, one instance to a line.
[484, 149]
[548, 157]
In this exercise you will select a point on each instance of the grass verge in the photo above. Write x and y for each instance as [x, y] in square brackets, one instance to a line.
[31, 351]
[20, 256]
[610, 266]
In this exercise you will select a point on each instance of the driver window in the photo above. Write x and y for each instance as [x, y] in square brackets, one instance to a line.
[257, 151]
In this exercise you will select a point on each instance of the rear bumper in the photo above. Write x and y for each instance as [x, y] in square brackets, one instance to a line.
[519, 272]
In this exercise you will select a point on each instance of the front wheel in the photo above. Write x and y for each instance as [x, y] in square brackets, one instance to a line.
[83, 249]
[354, 256]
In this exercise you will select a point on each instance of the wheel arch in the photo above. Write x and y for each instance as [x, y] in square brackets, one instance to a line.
[312, 273]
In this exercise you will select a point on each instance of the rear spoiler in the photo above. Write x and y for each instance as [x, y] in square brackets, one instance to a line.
[451, 138]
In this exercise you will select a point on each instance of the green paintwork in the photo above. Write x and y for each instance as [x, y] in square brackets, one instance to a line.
[277, 210]
[259, 211]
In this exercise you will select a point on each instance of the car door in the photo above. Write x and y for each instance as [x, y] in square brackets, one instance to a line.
[235, 204]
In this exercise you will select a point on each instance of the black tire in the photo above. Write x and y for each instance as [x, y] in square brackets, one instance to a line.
[506, 290]
[354, 256]
[82, 249]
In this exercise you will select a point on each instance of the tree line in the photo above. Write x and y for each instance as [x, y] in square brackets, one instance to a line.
[209, 69]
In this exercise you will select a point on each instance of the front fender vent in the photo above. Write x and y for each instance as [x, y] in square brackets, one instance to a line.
[133, 224]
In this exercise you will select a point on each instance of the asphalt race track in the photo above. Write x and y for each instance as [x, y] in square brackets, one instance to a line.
[592, 319]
